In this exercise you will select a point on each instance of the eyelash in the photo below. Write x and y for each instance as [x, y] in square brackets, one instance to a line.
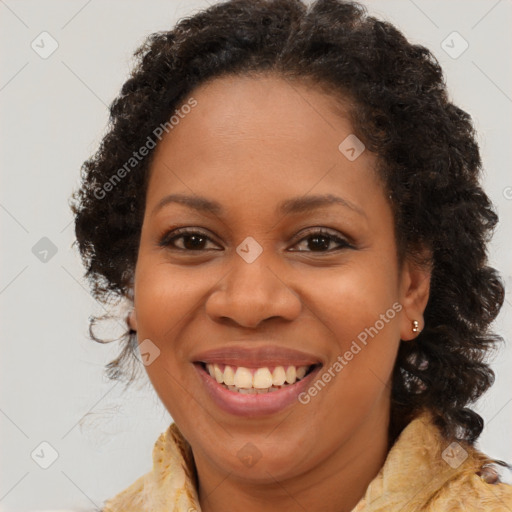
[167, 240]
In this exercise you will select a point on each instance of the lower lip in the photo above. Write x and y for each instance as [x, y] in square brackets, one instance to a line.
[254, 404]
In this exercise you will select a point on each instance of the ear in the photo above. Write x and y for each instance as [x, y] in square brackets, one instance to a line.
[414, 294]
[132, 320]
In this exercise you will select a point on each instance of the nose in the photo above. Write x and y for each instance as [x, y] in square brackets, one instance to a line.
[251, 293]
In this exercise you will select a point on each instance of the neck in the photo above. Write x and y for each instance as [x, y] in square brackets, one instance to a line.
[336, 484]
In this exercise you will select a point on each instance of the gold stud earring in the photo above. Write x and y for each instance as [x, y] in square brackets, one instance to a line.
[415, 326]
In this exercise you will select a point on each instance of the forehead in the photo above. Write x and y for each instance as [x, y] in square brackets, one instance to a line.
[259, 134]
[240, 110]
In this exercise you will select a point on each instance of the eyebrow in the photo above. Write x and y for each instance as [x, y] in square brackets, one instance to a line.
[289, 206]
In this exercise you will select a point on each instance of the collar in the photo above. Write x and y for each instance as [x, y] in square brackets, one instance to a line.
[422, 472]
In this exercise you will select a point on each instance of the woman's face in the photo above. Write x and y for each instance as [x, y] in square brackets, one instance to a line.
[253, 285]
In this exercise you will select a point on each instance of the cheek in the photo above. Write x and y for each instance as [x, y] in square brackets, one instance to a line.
[164, 296]
[164, 300]
[358, 309]
[347, 299]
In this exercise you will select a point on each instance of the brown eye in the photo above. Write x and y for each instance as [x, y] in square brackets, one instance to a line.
[322, 241]
[186, 240]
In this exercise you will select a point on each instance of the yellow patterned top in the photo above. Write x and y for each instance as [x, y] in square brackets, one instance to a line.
[422, 473]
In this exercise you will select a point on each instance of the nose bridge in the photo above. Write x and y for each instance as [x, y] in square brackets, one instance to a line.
[253, 290]
[253, 277]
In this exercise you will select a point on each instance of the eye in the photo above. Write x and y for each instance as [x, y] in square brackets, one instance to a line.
[320, 240]
[316, 240]
[188, 239]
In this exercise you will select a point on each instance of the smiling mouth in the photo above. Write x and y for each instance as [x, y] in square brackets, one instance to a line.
[267, 379]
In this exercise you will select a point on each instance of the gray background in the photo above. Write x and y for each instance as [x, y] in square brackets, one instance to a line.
[53, 113]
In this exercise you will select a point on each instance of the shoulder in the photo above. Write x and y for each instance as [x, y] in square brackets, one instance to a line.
[426, 472]
[170, 485]
[477, 486]
[473, 481]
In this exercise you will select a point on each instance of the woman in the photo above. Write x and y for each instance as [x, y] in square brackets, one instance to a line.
[291, 206]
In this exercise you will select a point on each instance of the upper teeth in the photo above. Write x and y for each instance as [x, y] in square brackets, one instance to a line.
[259, 378]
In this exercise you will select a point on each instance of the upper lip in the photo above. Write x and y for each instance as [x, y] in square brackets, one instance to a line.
[260, 356]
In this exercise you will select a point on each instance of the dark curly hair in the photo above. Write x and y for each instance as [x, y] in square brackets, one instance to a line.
[429, 162]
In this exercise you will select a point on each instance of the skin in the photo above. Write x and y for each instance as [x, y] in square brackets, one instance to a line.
[249, 144]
